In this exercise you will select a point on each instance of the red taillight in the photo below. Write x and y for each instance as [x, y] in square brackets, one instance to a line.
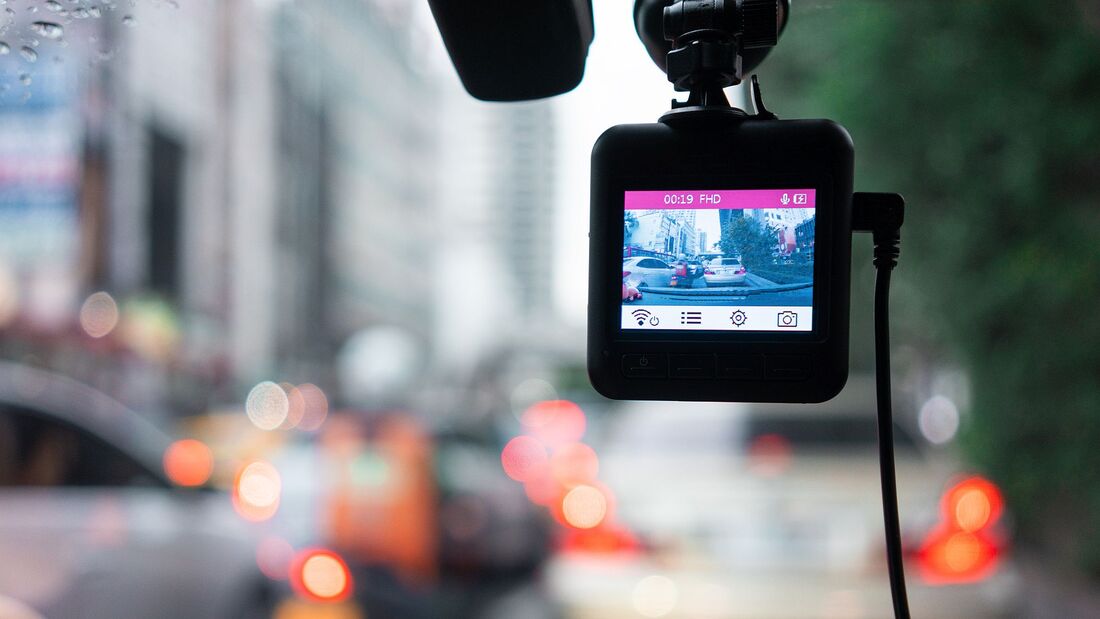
[741, 271]
[963, 548]
[972, 504]
[708, 272]
[626, 274]
[321, 576]
[607, 539]
[950, 556]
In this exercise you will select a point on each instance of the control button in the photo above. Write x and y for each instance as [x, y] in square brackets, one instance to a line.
[741, 367]
[787, 367]
[645, 366]
[691, 366]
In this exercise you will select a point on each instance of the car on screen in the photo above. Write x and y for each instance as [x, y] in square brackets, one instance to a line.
[686, 273]
[773, 511]
[725, 272]
[643, 271]
[91, 525]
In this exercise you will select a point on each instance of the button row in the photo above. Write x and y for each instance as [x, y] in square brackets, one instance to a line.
[723, 366]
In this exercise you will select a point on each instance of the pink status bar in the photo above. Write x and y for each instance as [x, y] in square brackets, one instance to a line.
[724, 199]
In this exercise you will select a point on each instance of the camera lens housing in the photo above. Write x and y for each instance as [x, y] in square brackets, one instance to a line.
[720, 259]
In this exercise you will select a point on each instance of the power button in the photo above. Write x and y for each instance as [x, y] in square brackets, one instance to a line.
[645, 365]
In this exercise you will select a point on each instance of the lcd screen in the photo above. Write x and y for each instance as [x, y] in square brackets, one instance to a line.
[718, 260]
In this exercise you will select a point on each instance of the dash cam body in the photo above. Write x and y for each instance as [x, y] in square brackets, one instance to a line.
[719, 261]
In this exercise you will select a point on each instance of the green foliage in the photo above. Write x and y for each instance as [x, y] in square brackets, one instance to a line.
[986, 115]
[749, 238]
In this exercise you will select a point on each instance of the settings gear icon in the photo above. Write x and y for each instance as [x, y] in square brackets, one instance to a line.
[738, 318]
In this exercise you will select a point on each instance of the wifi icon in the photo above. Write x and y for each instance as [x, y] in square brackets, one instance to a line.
[641, 316]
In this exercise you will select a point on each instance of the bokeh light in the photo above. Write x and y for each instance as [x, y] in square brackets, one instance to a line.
[267, 405]
[296, 407]
[523, 457]
[574, 464]
[769, 455]
[962, 551]
[938, 420]
[273, 557]
[321, 575]
[957, 556]
[554, 422]
[973, 504]
[315, 407]
[584, 507]
[541, 488]
[99, 314]
[188, 462]
[655, 596]
[257, 490]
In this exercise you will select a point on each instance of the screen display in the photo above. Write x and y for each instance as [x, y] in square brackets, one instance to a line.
[718, 260]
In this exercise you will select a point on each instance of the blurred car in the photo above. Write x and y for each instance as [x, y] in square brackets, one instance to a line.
[642, 271]
[774, 511]
[91, 526]
[724, 272]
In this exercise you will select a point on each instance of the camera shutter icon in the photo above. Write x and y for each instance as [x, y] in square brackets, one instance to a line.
[787, 319]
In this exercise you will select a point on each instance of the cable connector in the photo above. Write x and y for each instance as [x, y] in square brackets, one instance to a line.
[881, 214]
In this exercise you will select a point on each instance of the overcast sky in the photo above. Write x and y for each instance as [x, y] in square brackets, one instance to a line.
[621, 85]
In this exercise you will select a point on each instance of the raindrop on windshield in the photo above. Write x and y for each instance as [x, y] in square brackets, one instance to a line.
[25, 79]
[54, 6]
[47, 29]
[28, 54]
[80, 13]
[129, 20]
[4, 48]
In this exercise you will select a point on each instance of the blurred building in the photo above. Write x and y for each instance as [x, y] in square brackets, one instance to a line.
[254, 184]
[665, 233]
[495, 260]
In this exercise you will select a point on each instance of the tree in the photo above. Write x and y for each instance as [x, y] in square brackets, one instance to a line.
[985, 115]
[749, 238]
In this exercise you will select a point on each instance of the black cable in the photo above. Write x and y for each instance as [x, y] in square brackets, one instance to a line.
[885, 223]
[886, 446]
[882, 214]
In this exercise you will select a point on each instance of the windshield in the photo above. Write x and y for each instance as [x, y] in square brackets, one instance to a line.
[355, 299]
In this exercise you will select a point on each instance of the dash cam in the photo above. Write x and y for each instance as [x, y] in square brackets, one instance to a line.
[720, 242]
[719, 261]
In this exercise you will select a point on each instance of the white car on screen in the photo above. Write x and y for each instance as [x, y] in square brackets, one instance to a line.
[646, 271]
[724, 272]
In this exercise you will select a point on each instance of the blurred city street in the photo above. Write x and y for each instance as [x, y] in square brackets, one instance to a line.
[291, 326]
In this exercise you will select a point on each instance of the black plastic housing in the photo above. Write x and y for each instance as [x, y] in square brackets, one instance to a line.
[744, 154]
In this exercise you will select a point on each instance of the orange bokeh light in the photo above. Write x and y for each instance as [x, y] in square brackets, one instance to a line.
[188, 462]
[256, 491]
[523, 458]
[554, 422]
[956, 557]
[584, 507]
[973, 504]
[574, 464]
[321, 576]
